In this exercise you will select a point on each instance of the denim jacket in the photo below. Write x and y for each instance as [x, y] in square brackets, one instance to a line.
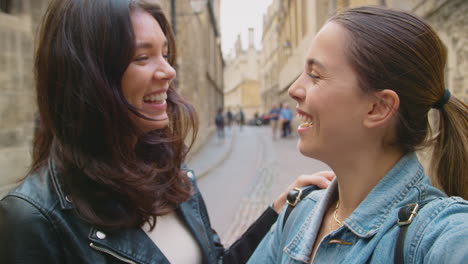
[38, 225]
[439, 233]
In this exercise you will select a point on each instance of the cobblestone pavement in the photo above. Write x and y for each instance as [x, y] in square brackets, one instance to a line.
[258, 197]
[254, 172]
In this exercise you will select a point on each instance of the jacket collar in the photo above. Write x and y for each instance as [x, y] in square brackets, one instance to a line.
[131, 243]
[134, 246]
[193, 220]
[193, 212]
[64, 199]
[369, 216]
[388, 194]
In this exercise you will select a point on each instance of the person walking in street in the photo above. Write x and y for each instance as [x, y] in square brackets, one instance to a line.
[285, 120]
[108, 182]
[241, 119]
[219, 122]
[371, 76]
[274, 116]
[230, 118]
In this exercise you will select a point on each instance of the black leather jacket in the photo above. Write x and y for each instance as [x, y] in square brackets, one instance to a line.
[38, 225]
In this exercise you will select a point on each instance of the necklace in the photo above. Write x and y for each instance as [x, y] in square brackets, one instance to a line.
[335, 214]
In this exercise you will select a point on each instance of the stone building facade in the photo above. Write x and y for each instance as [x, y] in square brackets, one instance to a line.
[200, 64]
[200, 74]
[269, 60]
[290, 25]
[288, 29]
[18, 25]
[241, 81]
[450, 20]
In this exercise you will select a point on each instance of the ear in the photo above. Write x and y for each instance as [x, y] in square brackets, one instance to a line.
[384, 105]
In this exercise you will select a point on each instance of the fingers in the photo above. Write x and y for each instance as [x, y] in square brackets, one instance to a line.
[321, 179]
[330, 175]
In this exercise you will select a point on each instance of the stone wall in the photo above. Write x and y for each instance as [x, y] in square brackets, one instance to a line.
[200, 64]
[450, 20]
[17, 100]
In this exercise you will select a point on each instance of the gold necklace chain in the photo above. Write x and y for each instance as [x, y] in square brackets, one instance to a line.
[335, 214]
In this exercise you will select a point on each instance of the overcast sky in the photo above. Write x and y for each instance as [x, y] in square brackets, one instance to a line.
[237, 16]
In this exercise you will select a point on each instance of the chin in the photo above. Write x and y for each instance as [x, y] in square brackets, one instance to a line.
[302, 149]
[307, 151]
[148, 125]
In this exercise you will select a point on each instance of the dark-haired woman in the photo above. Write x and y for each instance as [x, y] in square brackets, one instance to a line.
[370, 78]
[107, 184]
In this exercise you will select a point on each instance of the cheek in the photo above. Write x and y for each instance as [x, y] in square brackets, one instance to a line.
[131, 88]
[126, 84]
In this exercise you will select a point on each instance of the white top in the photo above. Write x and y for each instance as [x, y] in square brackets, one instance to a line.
[174, 240]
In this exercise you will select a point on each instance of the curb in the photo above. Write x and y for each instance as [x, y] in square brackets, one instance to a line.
[219, 162]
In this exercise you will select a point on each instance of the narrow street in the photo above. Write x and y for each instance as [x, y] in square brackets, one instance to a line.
[253, 172]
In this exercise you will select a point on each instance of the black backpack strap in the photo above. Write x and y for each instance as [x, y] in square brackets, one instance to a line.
[294, 197]
[406, 216]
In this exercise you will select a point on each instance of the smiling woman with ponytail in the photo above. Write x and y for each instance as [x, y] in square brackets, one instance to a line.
[370, 79]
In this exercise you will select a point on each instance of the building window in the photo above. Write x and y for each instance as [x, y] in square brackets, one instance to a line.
[5, 6]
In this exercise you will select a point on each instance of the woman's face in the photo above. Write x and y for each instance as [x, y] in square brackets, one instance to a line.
[331, 105]
[146, 80]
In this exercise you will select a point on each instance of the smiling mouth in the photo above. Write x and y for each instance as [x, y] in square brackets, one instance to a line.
[158, 98]
[306, 120]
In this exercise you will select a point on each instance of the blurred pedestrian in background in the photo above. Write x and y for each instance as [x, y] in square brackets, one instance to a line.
[286, 117]
[274, 116]
[230, 118]
[219, 122]
[240, 118]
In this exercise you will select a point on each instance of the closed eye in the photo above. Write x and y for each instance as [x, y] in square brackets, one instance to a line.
[141, 58]
[313, 76]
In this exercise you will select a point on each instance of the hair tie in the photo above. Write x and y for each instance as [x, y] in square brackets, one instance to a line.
[443, 100]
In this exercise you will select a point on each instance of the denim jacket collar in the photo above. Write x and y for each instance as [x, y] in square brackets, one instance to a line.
[368, 217]
[371, 213]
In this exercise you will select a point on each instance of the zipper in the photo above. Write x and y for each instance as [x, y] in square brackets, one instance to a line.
[103, 250]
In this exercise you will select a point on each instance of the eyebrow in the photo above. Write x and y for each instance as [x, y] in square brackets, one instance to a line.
[148, 45]
[315, 62]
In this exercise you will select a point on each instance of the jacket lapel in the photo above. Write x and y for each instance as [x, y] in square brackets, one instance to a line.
[191, 216]
[130, 246]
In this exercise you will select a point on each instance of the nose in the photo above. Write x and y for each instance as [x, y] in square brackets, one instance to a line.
[165, 71]
[297, 91]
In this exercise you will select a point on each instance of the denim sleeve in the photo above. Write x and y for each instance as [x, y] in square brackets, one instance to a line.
[445, 237]
[269, 250]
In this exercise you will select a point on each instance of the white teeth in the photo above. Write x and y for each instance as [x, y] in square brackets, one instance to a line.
[155, 97]
[306, 121]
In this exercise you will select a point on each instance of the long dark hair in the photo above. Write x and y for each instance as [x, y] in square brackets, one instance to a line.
[396, 50]
[86, 127]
